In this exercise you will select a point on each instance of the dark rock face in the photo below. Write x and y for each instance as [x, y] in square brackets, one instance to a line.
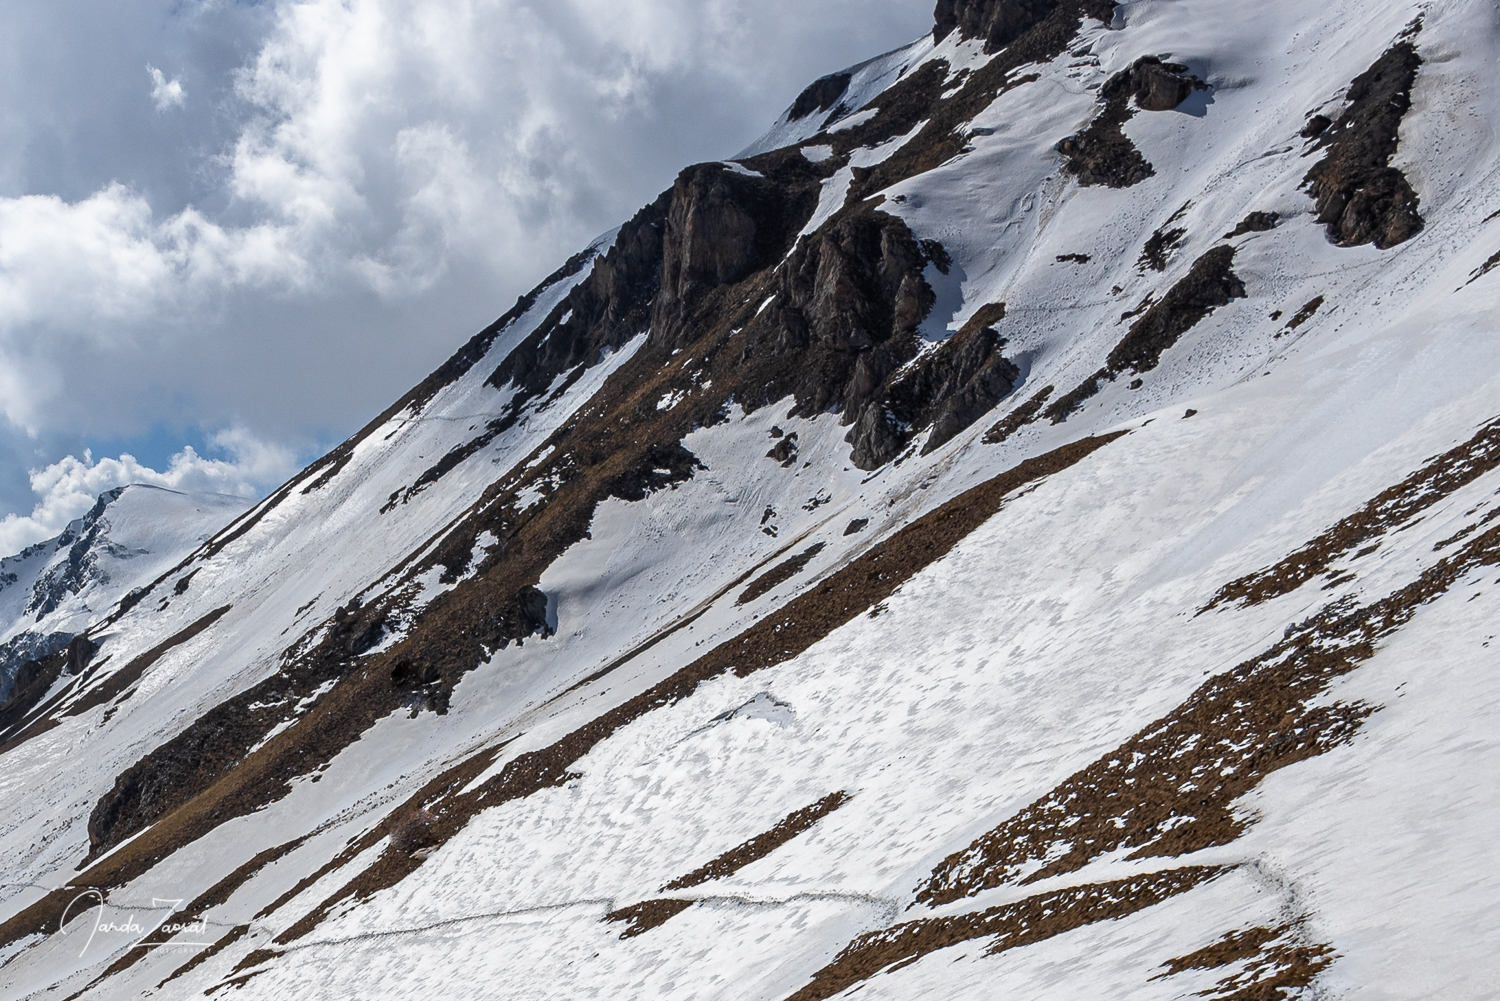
[722, 227]
[1210, 284]
[1158, 249]
[846, 309]
[948, 389]
[1359, 196]
[1316, 126]
[1101, 153]
[604, 311]
[1155, 85]
[785, 450]
[998, 22]
[1255, 222]
[822, 94]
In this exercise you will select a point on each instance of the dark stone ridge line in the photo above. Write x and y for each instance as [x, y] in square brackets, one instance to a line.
[1209, 284]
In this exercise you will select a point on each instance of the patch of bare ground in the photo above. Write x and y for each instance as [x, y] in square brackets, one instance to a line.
[1485, 268]
[1307, 312]
[1157, 252]
[214, 896]
[1170, 789]
[1276, 964]
[761, 845]
[1360, 197]
[1102, 153]
[127, 676]
[648, 914]
[776, 638]
[1018, 418]
[1450, 471]
[1008, 926]
[779, 574]
[223, 942]
[23, 714]
[1255, 222]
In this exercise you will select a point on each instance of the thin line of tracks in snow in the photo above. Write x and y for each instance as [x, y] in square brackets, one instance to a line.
[890, 910]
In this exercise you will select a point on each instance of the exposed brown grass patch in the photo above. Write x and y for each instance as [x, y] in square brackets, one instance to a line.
[775, 639]
[648, 914]
[1443, 475]
[1169, 790]
[761, 845]
[779, 574]
[1279, 963]
[1010, 926]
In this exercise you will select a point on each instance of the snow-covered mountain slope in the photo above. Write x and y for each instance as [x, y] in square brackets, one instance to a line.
[1024, 528]
[55, 590]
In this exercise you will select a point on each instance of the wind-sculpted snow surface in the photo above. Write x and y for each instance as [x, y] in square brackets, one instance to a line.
[1025, 528]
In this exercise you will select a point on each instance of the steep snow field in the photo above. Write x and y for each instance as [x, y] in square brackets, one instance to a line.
[1055, 640]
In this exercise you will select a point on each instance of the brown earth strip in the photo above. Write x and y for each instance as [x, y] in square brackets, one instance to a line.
[776, 638]
[648, 914]
[131, 673]
[1282, 963]
[34, 680]
[761, 845]
[1018, 418]
[234, 935]
[1450, 471]
[779, 574]
[214, 896]
[1011, 926]
[1171, 789]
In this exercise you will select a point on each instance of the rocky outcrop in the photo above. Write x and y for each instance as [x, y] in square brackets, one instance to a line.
[998, 22]
[843, 316]
[602, 312]
[946, 389]
[1153, 84]
[1102, 153]
[1360, 197]
[820, 95]
[722, 226]
[1210, 283]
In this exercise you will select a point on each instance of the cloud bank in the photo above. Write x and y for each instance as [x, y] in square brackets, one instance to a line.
[68, 488]
[353, 187]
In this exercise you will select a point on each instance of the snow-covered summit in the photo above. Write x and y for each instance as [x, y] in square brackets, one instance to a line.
[54, 590]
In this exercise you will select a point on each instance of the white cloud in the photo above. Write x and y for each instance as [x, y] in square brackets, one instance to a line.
[67, 489]
[356, 186]
[165, 93]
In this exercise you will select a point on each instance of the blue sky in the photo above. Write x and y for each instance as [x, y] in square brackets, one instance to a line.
[246, 227]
